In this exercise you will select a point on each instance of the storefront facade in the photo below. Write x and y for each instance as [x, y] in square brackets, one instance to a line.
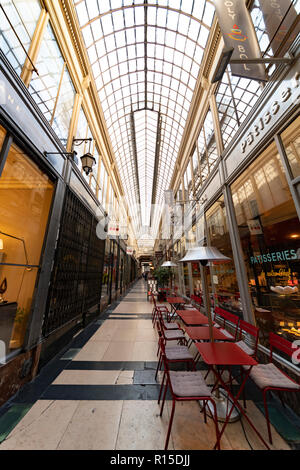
[52, 264]
[249, 210]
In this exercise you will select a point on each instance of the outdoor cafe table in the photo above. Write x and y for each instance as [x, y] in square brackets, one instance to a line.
[201, 333]
[175, 302]
[192, 317]
[225, 355]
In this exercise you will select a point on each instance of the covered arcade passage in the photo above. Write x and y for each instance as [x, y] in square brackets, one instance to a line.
[149, 224]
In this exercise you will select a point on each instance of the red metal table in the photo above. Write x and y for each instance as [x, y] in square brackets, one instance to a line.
[228, 355]
[192, 317]
[175, 302]
[201, 333]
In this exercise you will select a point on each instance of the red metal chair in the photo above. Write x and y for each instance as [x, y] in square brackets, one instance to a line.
[197, 300]
[175, 353]
[225, 318]
[168, 325]
[158, 308]
[171, 335]
[187, 386]
[253, 331]
[268, 377]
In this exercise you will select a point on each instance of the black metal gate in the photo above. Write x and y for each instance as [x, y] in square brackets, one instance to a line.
[76, 278]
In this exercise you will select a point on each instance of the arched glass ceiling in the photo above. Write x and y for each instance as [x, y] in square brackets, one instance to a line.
[145, 57]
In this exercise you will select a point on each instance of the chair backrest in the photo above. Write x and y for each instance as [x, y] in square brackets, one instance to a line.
[228, 317]
[281, 344]
[197, 299]
[245, 327]
[153, 298]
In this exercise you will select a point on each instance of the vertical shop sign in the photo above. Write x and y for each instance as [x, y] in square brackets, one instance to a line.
[279, 16]
[238, 32]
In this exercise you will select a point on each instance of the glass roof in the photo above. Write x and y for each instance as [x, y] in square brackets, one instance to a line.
[145, 57]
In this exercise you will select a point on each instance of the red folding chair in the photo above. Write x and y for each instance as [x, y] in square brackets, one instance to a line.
[158, 308]
[187, 386]
[227, 317]
[168, 325]
[171, 335]
[268, 377]
[197, 300]
[251, 330]
[174, 353]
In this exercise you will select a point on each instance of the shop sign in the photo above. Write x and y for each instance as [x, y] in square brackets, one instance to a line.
[254, 227]
[129, 250]
[279, 15]
[238, 32]
[113, 228]
[274, 256]
[287, 94]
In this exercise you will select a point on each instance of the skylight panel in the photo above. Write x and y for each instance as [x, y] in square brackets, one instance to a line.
[120, 73]
[103, 6]
[92, 8]
[82, 13]
[162, 17]
[118, 20]
[208, 14]
[129, 17]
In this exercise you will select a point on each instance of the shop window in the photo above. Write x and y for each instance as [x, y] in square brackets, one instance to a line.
[2, 135]
[223, 281]
[105, 276]
[25, 200]
[291, 141]
[270, 235]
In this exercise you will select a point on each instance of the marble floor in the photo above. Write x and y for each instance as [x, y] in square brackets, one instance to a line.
[103, 396]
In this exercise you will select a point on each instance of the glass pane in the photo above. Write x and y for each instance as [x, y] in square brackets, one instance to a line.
[64, 108]
[223, 276]
[270, 235]
[2, 135]
[25, 200]
[23, 15]
[291, 140]
[50, 62]
[235, 98]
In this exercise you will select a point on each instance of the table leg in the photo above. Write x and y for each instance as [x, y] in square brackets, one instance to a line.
[236, 403]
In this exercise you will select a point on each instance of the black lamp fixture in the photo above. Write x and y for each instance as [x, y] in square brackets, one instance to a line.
[87, 161]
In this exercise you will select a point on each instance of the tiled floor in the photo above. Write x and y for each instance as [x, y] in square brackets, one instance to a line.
[97, 402]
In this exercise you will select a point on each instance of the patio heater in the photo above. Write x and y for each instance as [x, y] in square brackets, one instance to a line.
[205, 255]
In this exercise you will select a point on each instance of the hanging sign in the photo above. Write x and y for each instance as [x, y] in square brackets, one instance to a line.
[129, 250]
[113, 228]
[254, 227]
[238, 32]
[279, 15]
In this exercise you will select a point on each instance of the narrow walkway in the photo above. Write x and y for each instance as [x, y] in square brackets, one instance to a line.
[102, 395]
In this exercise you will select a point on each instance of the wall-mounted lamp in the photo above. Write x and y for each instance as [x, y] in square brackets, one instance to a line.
[87, 161]
[1, 244]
